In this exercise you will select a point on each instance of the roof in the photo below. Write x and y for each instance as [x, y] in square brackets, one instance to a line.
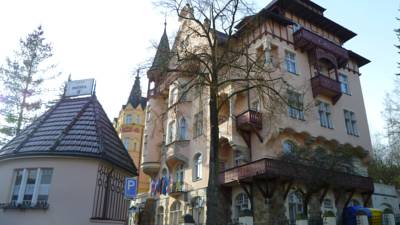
[310, 11]
[76, 127]
[162, 54]
[360, 60]
[135, 97]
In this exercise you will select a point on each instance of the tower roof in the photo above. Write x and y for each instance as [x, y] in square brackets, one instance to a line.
[135, 97]
[162, 55]
[76, 127]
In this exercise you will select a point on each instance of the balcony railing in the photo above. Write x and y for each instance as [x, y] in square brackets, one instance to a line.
[249, 120]
[306, 40]
[273, 168]
[178, 188]
[24, 205]
[323, 85]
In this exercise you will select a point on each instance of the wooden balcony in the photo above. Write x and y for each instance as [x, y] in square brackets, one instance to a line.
[323, 85]
[275, 168]
[249, 120]
[307, 40]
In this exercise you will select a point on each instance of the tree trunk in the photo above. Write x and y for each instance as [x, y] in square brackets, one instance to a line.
[213, 192]
[21, 109]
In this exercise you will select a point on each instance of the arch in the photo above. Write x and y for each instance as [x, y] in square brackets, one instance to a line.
[295, 205]
[175, 212]
[183, 127]
[197, 166]
[242, 204]
[164, 172]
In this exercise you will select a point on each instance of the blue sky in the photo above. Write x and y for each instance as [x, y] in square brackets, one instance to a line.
[106, 39]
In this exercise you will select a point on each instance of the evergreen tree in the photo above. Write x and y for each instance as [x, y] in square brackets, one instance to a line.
[22, 77]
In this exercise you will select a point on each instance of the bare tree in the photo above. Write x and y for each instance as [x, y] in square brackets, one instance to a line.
[213, 54]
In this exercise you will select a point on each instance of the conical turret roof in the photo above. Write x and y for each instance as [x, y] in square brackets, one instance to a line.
[162, 54]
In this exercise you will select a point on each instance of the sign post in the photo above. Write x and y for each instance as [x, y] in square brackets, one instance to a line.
[130, 187]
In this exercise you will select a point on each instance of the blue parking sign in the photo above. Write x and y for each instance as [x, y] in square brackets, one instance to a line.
[130, 187]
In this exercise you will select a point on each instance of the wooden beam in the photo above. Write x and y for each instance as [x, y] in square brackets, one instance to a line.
[263, 191]
[324, 192]
[287, 189]
[349, 198]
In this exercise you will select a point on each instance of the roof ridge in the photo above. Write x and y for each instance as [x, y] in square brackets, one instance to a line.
[28, 136]
[70, 125]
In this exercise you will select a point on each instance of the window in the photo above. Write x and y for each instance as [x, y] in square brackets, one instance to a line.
[173, 98]
[328, 204]
[128, 119]
[175, 213]
[295, 206]
[171, 131]
[288, 147]
[179, 173]
[344, 84]
[160, 216]
[242, 203]
[198, 124]
[138, 119]
[325, 117]
[290, 61]
[351, 123]
[295, 101]
[126, 143]
[182, 129]
[197, 166]
[31, 186]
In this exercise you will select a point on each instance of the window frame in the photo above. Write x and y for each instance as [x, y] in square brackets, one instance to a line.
[325, 115]
[197, 167]
[128, 119]
[291, 62]
[350, 122]
[344, 82]
[183, 129]
[296, 110]
[171, 132]
[37, 186]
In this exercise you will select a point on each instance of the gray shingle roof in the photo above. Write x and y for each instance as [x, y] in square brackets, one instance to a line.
[72, 127]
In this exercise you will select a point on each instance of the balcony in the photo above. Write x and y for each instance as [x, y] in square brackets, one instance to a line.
[275, 168]
[249, 120]
[323, 85]
[176, 151]
[307, 40]
[178, 188]
[150, 168]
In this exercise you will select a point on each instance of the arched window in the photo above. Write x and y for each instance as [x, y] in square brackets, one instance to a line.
[296, 205]
[175, 213]
[197, 166]
[182, 129]
[128, 119]
[171, 131]
[242, 204]
[160, 216]
[138, 119]
[288, 147]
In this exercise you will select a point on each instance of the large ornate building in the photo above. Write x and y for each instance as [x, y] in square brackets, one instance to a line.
[130, 127]
[257, 185]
